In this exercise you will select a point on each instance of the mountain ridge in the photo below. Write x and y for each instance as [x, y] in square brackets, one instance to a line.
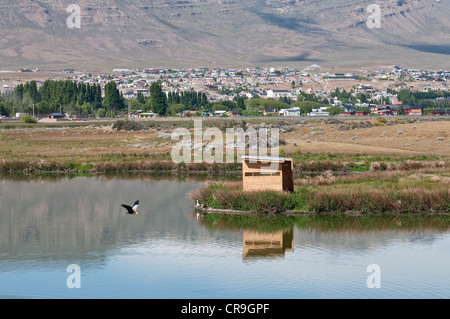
[169, 33]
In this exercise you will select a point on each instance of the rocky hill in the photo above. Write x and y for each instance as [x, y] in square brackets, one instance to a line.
[175, 33]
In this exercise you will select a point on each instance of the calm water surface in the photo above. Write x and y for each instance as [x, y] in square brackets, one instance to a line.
[168, 252]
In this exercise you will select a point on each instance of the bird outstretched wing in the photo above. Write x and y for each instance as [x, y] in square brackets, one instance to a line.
[135, 206]
[128, 208]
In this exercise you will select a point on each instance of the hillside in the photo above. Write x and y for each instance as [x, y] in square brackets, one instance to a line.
[184, 33]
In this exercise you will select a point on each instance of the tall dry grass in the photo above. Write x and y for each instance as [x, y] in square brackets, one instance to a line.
[122, 165]
[407, 165]
[326, 178]
[373, 200]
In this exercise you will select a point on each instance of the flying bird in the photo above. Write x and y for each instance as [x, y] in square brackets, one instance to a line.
[132, 210]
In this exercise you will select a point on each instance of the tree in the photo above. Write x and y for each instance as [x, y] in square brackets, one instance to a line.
[113, 99]
[303, 96]
[101, 113]
[18, 93]
[361, 97]
[333, 110]
[3, 109]
[174, 109]
[158, 99]
[86, 109]
[240, 104]
[30, 89]
[140, 98]
[307, 106]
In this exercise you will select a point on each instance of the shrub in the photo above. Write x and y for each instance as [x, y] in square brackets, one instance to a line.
[230, 196]
[128, 126]
[29, 119]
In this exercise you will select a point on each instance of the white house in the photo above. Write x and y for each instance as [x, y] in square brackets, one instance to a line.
[219, 113]
[295, 111]
[275, 94]
[318, 112]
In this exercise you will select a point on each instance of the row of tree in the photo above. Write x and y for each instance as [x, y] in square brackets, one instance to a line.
[82, 98]
[62, 97]
[423, 99]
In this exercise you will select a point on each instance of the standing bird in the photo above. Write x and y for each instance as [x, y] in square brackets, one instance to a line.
[132, 210]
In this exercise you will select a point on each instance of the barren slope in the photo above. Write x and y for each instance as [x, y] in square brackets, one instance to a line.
[143, 33]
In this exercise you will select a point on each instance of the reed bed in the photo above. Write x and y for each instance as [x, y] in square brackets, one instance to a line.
[123, 165]
[230, 196]
[374, 192]
[407, 165]
[372, 200]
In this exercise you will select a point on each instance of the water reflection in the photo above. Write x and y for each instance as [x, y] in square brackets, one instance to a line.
[412, 223]
[267, 245]
[267, 236]
[69, 219]
[45, 225]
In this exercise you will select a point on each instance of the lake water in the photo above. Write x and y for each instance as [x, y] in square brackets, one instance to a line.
[168, 252]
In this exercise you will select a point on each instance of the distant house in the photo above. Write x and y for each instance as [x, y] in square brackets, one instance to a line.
[135, 113]
[146, 115]
[313, 67]
[275, 94]
[189, 113]
[440, 112]
[412, 110]
[318, 112]
[219, 113]
[269, 111]
[223, 79]
[355, 113]
[295, 111]
[19, 115]
[208, 113]
[130, 95]
[385, 110]
[54, 116]
[234, 113]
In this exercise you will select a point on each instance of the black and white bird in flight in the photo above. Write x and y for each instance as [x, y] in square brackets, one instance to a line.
[132, 210]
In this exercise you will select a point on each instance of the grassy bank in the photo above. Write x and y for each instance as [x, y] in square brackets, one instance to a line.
[136, 164]
[418, 191]
[97, 147]
[138, 161]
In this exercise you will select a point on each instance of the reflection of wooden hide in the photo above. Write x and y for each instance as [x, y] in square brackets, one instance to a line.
[258, 244]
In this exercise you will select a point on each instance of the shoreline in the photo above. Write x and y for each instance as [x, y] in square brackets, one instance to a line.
[208, 210]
